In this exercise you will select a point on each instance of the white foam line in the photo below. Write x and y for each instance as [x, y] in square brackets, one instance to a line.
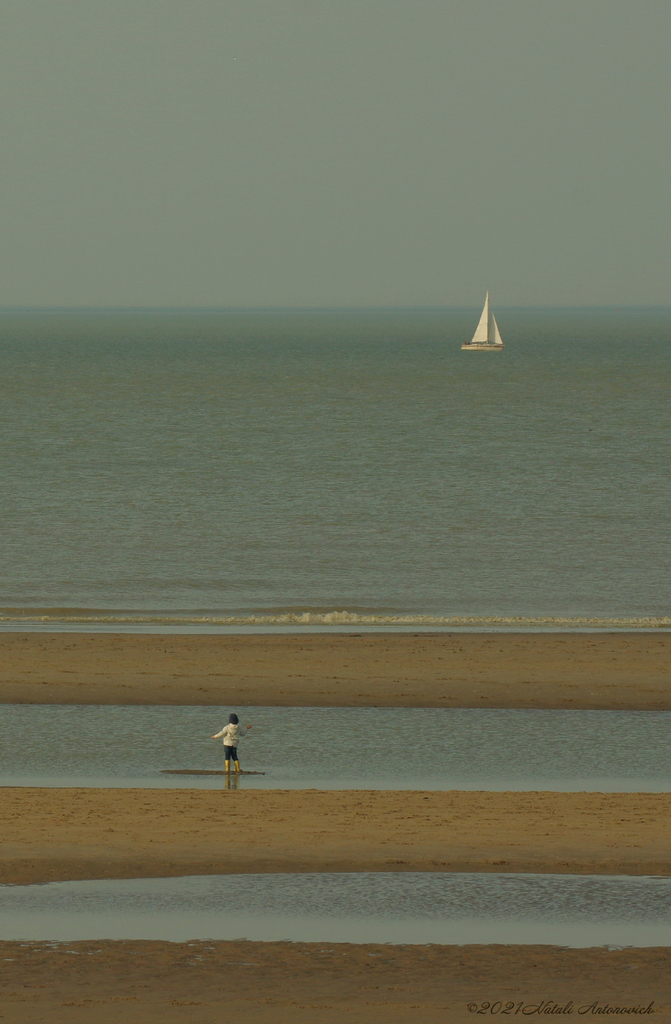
[344, 618]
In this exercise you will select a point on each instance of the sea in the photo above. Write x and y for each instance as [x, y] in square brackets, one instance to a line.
[334, 469]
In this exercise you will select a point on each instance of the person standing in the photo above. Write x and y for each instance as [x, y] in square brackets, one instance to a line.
[231, 736]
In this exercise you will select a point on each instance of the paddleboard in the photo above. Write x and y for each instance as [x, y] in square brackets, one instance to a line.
[201, 771]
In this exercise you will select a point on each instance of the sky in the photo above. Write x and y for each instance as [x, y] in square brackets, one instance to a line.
[334, 153]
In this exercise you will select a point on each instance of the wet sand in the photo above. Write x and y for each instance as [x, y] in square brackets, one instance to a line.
[59, 834]
[504, 670]
[51, 835]
[301, 983]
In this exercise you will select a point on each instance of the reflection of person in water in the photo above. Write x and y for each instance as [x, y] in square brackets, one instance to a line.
[231, 736]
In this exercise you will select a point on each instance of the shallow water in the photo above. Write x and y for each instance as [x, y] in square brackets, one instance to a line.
[366, 748]
[570, 910]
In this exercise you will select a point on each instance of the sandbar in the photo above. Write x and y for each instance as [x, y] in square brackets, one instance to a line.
[301, 983]
[67, 834]
[624, 670]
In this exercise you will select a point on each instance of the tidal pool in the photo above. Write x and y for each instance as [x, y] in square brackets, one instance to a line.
[394, 907]
[352, 748]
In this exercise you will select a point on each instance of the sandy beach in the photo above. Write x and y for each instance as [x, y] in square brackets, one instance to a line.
[284, 983]
[57, 834]
[504, 670]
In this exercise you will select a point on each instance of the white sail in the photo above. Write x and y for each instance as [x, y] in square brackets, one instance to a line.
[482, 330]
[498, 340]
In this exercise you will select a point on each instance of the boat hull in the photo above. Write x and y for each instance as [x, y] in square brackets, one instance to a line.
[481, 348]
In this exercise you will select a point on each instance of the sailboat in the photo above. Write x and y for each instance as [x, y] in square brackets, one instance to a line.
[487, 337]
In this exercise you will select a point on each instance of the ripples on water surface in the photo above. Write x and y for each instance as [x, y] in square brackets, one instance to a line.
[365, 748]
[405, 907]
[288, 463]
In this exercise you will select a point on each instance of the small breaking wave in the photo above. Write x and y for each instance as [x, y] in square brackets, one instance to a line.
[347, 619]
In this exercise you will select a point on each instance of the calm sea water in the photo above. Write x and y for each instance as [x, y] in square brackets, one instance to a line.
[340, 748]
[280, 467]
[389, 907]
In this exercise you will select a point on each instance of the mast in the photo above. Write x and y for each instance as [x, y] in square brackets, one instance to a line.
[481, 335]
[498, 340]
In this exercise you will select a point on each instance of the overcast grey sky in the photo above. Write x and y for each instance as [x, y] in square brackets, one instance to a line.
[334, 152]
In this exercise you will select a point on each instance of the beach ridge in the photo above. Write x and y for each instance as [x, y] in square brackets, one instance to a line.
[75, 833]
[616, 671]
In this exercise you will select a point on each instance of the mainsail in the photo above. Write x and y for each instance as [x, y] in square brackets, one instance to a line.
[481, 335]
[487, 337]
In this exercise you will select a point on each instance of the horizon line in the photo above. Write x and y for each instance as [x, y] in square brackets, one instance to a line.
[316, 309]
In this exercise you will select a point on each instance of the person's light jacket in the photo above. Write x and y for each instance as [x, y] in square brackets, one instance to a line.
[230, 735]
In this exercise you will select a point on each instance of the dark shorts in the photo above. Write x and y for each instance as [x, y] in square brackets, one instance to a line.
[231, 753]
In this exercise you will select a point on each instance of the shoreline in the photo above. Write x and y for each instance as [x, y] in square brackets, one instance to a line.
[614, 671]
[122, 982]
[74, 834]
